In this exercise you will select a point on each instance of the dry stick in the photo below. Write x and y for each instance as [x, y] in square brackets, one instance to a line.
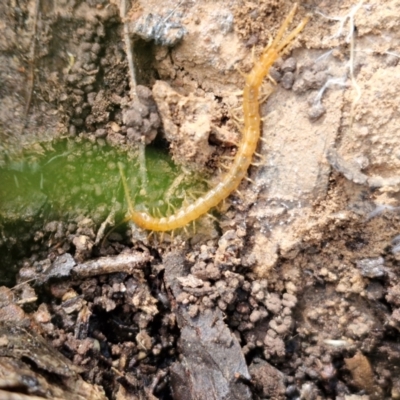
[129, 55]
[133, 92]
[124, 262]
[31, 67]
[110, 220]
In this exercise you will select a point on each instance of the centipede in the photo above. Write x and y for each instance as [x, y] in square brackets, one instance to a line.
[246, 148]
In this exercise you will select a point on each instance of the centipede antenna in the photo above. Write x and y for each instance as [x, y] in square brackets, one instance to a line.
[288, 39]
[283, 48]
[288, 20]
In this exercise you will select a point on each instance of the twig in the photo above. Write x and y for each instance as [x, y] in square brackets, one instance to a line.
[31, 78]
[124, 262]
[110, 220]
[133, 92]
[129, 55]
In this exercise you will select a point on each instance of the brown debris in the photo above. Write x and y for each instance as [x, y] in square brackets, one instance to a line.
[16, 375]
[212, 358]
[362, 373]
[125, 262]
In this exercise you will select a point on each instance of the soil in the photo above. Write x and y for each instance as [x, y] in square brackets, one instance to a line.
[292, 291]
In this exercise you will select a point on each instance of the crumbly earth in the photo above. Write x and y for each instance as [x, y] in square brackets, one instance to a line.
[295, 291]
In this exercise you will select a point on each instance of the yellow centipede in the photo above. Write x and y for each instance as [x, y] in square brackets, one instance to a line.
[246, 148]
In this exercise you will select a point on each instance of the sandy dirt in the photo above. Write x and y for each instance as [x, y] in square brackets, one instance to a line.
[294, 292]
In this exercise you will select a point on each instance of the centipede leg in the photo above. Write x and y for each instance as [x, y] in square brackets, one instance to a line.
[149, 236]
[232, 113]
[229, 158]
[212, 217]
[237, 125]
[237, 119]
[268, 92]
[239, 194]
[241, 72]
[225, 167]
[169, 206]
[272, 80]
[192, 196]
